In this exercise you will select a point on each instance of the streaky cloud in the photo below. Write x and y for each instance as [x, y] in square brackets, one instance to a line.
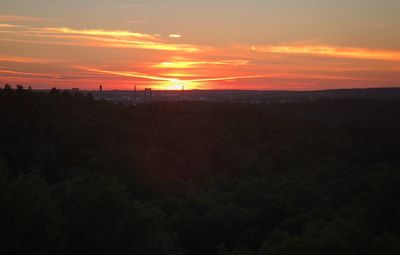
[160, 78]
[331, 51]
[12, 72]
[197, 64]
[9, 26]
[95, 38]
[96, 32]
[20, 18]
[125, 73]
[17, 59]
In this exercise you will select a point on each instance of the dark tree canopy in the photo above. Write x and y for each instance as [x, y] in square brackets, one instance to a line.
[86, 176]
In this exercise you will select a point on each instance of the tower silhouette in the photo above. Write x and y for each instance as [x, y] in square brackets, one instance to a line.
[101, 92]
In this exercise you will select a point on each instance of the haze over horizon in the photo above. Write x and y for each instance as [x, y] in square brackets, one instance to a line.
[226, 44]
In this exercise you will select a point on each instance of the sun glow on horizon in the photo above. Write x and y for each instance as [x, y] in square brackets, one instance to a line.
[178, 84]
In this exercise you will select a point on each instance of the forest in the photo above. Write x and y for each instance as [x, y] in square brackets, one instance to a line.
[85, 176]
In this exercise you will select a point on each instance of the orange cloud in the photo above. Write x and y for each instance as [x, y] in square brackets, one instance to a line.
[126, 74]
[108, 43]
[96, 38]
[178, 74]
[23, 73]
[331, 51]
[194, 64]
[232, 78]
[25, 60]
[97, 32]
[160, 78]
[20, 18]
[8, 26]
[174, 36]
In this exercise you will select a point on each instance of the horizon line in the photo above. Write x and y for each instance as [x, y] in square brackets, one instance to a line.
[221, 90]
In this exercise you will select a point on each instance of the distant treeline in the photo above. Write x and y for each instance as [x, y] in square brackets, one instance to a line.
[85, 176]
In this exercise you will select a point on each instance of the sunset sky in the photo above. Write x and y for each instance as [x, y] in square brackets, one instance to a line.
[208, 44]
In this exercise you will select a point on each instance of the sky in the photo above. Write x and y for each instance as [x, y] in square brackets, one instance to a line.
[208, 44]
